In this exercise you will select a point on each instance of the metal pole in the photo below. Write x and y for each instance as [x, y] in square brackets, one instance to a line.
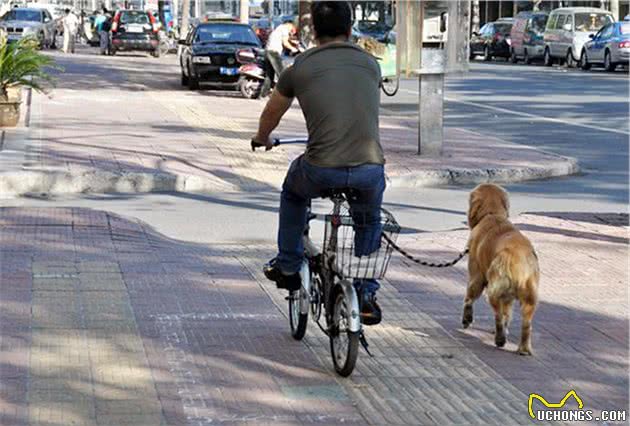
[244, 10]
[431, 115]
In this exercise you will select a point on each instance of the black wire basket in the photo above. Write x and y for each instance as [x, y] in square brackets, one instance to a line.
[354, 243]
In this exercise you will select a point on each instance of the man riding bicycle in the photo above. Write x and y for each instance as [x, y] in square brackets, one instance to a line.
[337, 86]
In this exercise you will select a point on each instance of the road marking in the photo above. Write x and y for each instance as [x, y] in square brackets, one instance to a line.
[528, 115]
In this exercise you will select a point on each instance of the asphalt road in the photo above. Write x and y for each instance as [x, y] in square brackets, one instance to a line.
[569, 112]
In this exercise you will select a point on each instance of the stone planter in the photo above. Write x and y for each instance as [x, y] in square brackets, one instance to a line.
[10, 108]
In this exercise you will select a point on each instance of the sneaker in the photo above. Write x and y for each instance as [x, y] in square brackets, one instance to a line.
[370, 311]
[287, 282]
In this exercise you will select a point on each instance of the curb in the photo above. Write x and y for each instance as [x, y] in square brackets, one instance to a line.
[50, 182]
[461, 176]
[25, 182]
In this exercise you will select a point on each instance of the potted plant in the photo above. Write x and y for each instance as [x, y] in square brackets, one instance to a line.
[21, 65]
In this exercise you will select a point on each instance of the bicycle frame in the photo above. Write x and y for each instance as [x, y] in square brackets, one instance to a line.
[327, 276]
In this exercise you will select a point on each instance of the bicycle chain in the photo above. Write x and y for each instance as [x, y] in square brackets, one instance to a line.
[424, 262]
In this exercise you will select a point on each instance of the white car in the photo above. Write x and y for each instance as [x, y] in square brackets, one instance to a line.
[22, 22]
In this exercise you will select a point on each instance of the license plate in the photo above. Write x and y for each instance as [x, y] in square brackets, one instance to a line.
[228, 71]
[135, 29]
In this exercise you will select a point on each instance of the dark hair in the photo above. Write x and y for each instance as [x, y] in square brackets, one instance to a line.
[67, 11]
[331, 18]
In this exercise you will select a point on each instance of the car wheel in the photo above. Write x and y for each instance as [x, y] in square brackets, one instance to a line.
[193, 81]
[526, 57]
[184, 79]
[53, 43]
[112, 51]
[156, 53]
[513, 57]
[471, 54]
[41, 41]
[548, 59]
[608, 64]
[584, 64]
[487, 56]
[569, 61]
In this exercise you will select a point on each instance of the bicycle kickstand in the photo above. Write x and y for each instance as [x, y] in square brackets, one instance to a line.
[365, 344]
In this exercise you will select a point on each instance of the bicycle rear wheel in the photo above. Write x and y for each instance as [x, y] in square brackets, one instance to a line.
[297, 320]
[344, 344]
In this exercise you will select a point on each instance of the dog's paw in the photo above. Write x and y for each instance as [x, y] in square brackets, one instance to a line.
[523, 350]
[500, 339]
[467, 318]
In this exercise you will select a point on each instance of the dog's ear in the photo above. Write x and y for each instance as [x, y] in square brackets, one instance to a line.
[505, 201]
[473, 209]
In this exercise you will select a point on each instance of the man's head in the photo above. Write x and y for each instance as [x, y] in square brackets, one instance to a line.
[331, 19]
[67, 11]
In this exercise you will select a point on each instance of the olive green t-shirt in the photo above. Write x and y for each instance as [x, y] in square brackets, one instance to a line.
[337, 85]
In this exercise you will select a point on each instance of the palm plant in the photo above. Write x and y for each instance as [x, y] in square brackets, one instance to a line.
[22, 65]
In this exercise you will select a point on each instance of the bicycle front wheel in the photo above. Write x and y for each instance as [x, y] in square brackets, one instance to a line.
[344, 344]
[297, 319]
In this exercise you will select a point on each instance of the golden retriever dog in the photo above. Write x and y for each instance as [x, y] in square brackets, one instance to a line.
[503, 262]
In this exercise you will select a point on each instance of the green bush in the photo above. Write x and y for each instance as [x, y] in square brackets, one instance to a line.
[21, 64]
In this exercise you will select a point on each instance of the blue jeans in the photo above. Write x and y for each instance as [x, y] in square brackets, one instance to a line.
[305, 182]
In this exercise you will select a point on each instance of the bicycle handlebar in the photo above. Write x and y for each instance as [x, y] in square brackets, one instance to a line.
[278, 141]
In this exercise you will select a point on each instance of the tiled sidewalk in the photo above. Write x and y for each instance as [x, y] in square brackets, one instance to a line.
[103, 321]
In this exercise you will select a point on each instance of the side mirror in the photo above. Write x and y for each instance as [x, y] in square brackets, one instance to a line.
[475, 33]
[443, 21]
[591, 36]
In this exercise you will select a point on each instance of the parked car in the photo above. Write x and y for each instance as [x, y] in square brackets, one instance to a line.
[527, 36]
[262, 27]
[568, 28]
[22, 22]
[492, 40]
[375, 29]
[208, 54]
[609, 47]
[135, 30]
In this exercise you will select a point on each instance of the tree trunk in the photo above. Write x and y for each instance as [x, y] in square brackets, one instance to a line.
[185, 18]
[305, 24]
[475, 16]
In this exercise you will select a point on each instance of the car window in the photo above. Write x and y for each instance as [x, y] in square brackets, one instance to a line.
[551, 25]
[624, 28]
[537, 24]
[503, 28]
[489, 29]
[23, 15]
[591, 22]
[569, 21]
[134, 18]
[607, 31]
[483, 29]
[561, 21]
[226, 34]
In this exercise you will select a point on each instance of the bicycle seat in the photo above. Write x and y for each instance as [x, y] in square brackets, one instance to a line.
[347, 193]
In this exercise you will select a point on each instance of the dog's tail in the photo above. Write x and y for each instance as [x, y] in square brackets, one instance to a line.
[513, 274]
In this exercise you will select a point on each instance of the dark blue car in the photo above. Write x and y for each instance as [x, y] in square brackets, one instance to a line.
[609, 47]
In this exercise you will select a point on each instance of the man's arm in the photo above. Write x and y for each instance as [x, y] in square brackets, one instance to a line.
[270, 117]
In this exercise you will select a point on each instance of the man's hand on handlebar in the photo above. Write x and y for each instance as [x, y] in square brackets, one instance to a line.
[258, 142]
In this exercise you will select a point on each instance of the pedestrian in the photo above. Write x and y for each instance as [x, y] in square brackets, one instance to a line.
[70, 27]
[102, 25]
[280, 40]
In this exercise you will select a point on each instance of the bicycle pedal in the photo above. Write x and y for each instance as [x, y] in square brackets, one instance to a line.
[365, 344]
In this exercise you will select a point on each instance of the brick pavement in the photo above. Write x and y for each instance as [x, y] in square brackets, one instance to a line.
[105, 321]
[111, 127]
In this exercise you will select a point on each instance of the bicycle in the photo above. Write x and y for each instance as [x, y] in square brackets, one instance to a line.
[328, 274]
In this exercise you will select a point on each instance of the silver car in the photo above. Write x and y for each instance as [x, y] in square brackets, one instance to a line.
[609, 47]
[30, 22]
[568, 29]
